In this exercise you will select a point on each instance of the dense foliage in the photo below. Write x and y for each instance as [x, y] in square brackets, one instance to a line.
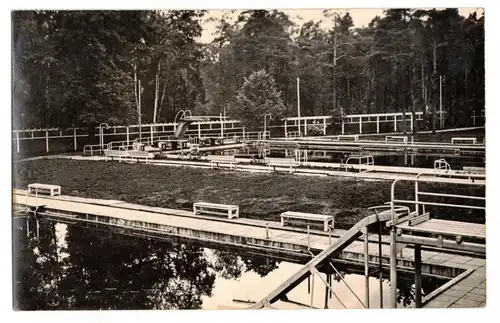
[85, 67]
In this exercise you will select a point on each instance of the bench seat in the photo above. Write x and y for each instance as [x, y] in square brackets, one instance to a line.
[328, 220]
[288, 162]
[232, 211]
[44, 188]
[222, 159]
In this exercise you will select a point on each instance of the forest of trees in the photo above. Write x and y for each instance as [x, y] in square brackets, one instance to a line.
[80, 68]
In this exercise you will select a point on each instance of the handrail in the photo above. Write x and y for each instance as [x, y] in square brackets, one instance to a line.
[416, 202]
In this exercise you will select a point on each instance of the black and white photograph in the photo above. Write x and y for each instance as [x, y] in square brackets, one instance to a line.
[231, 159]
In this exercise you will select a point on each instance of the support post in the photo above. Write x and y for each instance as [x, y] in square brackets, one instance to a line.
[267, 230]
[418, 276]
[46, 140]
[326, 288]
[380, 273]
[367, 275]
[395, 118]
[37, 229]
[378, 124]
[128, 136]
[243, 133]
[312, 290]
[308, 237]
[152, 134]
[411, 122]
[393, 265]
[74, 138]
[17, 141]
[27, 227]
[305, 127]
[324, 126]
[285, 128]
[342, 126]
[360, 126]
[199, 130]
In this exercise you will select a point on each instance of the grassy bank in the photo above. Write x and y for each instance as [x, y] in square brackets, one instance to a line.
[260, 196]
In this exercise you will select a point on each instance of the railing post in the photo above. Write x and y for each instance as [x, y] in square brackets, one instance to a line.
[342, 126]
[17, 141]
[312, 290]
[128, 136]
[74, 138]
[267, 230]
[395, 127]
[360, 125]
[380, 273]
[367, 276]
[46, 140]
[378, 125]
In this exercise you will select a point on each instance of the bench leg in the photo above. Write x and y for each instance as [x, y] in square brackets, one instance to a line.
[325, 226]
[194, 210]
[282, 221]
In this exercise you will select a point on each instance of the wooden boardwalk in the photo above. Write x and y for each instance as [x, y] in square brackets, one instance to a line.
[252, 234]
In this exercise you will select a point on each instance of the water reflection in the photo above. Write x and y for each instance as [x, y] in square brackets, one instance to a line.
[73, 267]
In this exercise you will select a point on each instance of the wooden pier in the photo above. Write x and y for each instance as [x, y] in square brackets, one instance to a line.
[247, 234]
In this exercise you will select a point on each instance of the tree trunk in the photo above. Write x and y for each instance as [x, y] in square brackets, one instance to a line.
[162, 98]
[413, 97]
[157, 91]
[434, 88]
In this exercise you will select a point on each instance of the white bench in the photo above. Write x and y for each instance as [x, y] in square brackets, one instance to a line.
[475, 170]
[232, 211]
[44, 188]
[463, 140]
[403, 139]
[284, 162]
[221, 159]
[348, 138]
[328, 220]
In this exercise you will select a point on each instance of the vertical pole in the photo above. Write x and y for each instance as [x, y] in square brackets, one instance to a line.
[418, 276]
[312, 290]
[330, 236]
[395, 127]
[221, 127]
[152, 134]
[243, 133]
[342, 126]
[17, 141]
[267, 230]
[305, 127]
[378, 124]
[140, 113]
[60, 133]
[360, 126]
[367, 276]
[411, 122]
[128, 136]
[285, 128]
[37, 229]
[393, 264]
[199, 130]
[46, 140]
[324, 126]
[308, 238]
[441, 102]
[380, 273]
[27, 227]
[298, 103]
[74, 138]
[326, 288]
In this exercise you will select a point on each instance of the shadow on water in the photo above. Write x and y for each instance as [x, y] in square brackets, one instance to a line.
[70, 267]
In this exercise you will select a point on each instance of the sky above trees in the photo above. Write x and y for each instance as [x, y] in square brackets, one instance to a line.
[361, 17]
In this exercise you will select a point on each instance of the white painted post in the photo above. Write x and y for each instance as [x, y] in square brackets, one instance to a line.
[199, 130]
[152, 134]
[128, 137]
[395, 127]
[74, 137]
[378, 125]
[285, 128]
[342, 126]
[221, 127]
[305, 127]
[360, 126]
[17, 140]
[243, 133]
[46, 140]
[367, 276]
[411, 122]
[324, 126]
